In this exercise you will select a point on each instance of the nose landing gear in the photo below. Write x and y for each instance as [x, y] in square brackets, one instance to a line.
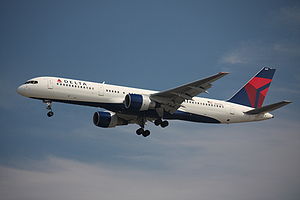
[49, 107]
[50, 114]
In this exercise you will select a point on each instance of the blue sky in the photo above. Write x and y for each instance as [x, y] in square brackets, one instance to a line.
[153, 45]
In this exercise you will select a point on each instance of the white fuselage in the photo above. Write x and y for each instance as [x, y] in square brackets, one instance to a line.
[106, 96]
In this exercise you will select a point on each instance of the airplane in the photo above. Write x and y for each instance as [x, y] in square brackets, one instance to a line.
[127, 105]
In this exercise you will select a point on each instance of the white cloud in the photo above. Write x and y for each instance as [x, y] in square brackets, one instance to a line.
[260, 53]
[290, 49]
[247, 52]
[208, 162]
[290, 15]
[75, 180]
[286, 19]
[233, 58]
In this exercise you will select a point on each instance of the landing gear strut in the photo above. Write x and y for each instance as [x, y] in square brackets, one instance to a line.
[49, 107]
[163, 124]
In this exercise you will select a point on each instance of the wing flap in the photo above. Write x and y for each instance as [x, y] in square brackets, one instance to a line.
[267, 108]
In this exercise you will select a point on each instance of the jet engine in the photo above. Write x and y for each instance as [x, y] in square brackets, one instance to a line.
[138, 102]
[107, 120]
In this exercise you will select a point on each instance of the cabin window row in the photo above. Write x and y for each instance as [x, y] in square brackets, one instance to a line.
[204, 104]
[75, 86]
[114, 91]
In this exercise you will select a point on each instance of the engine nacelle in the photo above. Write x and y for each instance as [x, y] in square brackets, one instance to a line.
[107, 120]
[138, 102]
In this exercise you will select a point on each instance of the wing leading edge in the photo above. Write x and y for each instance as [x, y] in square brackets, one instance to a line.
[172, 99]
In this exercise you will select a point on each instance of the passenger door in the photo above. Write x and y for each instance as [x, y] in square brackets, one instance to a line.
[100, 89]
[231, 110]
[50, 84]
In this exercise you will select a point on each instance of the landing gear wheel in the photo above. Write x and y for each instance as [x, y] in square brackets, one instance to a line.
[157, 122]
[146, 133]
[50, 114]
[49, 107]
[140, 131]
[164, 124]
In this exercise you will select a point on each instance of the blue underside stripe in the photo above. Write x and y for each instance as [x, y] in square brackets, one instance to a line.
[120, 108]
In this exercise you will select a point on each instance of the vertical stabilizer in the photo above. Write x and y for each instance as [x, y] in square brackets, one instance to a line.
[254, 92]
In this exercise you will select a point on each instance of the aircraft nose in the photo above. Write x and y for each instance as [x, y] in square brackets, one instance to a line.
[21, 90]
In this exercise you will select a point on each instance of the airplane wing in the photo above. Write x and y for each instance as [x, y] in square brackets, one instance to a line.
[172, 99]
[267, 108]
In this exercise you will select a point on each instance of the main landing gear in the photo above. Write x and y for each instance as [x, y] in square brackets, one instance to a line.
[49, 107]
[142, 121]
[146, 133]
[163, 124]
[143, 132]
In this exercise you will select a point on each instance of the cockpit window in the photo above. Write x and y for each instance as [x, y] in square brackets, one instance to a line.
[31, 82]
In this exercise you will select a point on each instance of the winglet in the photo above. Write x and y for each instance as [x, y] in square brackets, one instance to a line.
[267, 108]
[217, 76]
[221, 74]
[224, 73]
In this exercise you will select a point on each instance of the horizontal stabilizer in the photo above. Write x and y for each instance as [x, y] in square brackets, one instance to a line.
[267, 108]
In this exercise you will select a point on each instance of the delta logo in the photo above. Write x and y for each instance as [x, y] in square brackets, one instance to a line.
[72, 82]
[257, 90]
